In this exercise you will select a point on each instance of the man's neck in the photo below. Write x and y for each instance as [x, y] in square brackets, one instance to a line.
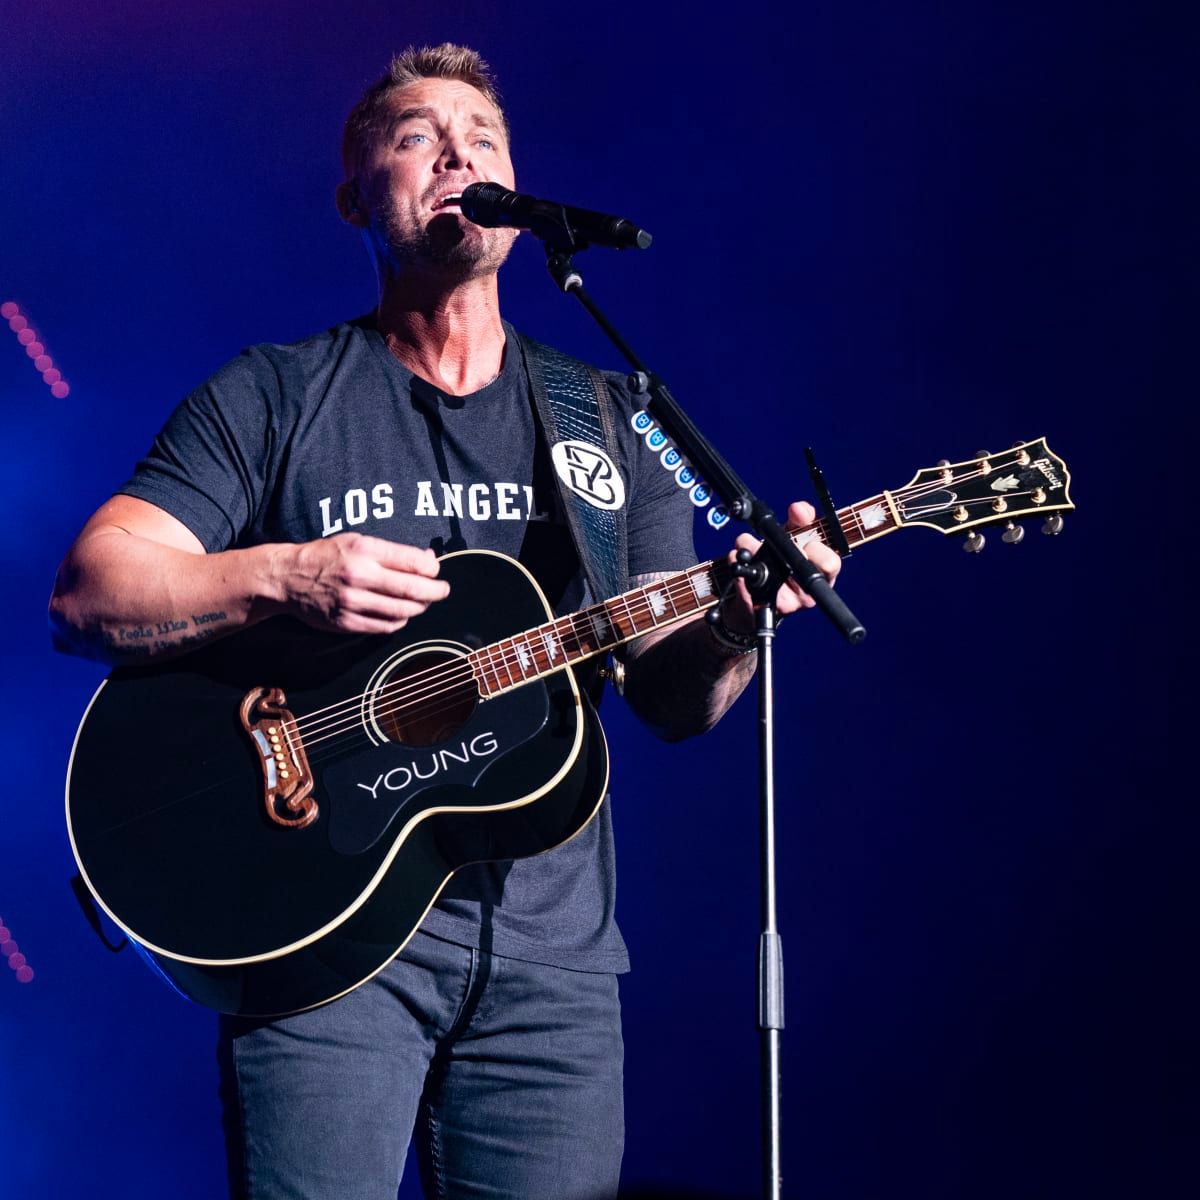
[451, 336]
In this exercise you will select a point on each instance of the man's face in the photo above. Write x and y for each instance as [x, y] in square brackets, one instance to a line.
[443, 135]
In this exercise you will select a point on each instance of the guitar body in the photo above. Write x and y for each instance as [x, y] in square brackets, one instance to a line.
[252, 906]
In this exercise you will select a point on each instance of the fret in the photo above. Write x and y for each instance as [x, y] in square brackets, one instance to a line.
[669, 590]
[702, 585]
[581, 635]
[640, 597]
[506, 663]
[494, 665]
[568, 637]
[854, 534]
[602, 625]
[584, 634]
[673, 595]
[623, 622]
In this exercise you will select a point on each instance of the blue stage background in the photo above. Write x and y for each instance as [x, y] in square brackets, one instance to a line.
[894, 232]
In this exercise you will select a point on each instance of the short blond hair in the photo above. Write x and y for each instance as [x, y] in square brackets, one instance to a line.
[369, 116]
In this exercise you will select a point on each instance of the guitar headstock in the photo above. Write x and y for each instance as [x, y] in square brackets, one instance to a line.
[956, 497]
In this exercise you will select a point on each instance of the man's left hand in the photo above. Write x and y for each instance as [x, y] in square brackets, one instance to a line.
[737, 611]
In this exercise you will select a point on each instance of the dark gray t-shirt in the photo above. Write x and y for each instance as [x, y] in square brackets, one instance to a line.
[289, 443]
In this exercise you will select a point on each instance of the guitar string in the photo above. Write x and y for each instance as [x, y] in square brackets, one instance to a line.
[466, 689]
[452, 696]
[503, 658]
[637, 607]
[462, 674]
[511, 655]
[850, 514]
[432, 685]
[498, 655]
[509, 658]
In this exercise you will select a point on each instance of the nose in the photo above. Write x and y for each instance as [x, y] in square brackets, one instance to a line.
[456, 153]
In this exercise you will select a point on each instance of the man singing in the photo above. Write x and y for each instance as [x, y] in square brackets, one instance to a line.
[324, 479]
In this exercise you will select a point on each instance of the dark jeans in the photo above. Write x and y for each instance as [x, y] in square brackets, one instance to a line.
[507, 1073]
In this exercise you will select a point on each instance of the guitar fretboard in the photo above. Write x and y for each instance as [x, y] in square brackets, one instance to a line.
[527, 656]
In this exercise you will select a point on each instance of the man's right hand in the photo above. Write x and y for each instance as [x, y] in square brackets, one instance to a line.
[137, 584]
[358, 584]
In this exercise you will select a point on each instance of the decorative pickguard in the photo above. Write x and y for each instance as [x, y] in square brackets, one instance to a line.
[365, 796]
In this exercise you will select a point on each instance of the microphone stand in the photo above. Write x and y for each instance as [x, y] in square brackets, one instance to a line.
[777, 560]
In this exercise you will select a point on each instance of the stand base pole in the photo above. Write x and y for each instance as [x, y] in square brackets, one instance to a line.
[773, 1181]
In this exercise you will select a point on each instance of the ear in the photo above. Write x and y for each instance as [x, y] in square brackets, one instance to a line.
[346, 199]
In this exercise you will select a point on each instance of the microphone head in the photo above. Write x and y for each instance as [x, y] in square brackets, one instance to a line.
[483, 204]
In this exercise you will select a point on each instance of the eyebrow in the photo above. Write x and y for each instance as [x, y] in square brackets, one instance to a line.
[424, 112]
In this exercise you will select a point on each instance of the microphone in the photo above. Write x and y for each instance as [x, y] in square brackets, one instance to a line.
[491, 205]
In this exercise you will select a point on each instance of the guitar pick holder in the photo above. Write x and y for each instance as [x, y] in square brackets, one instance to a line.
[777, 560]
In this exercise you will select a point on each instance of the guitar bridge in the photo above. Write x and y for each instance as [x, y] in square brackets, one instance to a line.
[287, 779]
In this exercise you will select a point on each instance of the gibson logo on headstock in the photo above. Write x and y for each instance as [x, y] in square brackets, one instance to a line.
[1047, 469]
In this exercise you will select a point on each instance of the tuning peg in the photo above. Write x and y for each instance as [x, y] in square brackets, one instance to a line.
[983, 454]
[1022, 459]
[1052, 525]
[974, 542]
[1012, 534]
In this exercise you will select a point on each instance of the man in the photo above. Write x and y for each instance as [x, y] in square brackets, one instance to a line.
[318, 480]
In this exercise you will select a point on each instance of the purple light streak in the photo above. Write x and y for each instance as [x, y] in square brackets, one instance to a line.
[27, 336]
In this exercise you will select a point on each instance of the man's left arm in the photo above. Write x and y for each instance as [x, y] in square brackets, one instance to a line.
[682, 680]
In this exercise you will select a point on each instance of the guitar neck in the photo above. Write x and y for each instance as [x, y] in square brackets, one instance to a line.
[537, 652]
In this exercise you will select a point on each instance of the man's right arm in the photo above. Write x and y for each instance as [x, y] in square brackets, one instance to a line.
[137, 584]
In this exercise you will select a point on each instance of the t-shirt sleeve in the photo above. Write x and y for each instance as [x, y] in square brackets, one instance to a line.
[210, 463]
[660, 516]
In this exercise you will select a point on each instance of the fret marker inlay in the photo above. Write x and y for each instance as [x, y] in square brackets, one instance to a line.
[873, 516]
[658, 603]
[551, 644]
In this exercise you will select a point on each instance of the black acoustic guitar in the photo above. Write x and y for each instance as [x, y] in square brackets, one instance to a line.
[270, 817]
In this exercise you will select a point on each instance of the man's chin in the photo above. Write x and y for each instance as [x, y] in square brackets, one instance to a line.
[448, 246]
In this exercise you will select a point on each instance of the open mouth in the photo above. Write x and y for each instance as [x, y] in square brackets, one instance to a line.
[451, 200]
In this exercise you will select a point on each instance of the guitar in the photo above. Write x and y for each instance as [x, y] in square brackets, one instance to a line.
[270, 817]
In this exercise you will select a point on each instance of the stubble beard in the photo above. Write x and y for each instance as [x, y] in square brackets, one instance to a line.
[443, 245]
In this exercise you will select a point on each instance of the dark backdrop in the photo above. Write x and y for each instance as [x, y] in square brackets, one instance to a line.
[895, 232]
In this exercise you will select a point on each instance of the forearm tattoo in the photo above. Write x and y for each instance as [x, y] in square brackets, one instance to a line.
[155, 639]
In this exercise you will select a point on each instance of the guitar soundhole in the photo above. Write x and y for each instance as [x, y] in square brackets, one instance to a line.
[426, 698]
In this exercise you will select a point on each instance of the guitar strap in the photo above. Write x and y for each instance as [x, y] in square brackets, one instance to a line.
[577, 419]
